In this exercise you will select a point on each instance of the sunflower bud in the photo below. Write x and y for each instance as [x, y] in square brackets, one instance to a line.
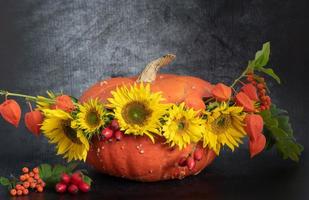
[10, 111]
[254, 126]
[65, 103]
[257, 145]
[250, 90]
[243, 100]
[221, 92]
[33, 121]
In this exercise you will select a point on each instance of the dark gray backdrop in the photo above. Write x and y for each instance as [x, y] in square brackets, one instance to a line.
[69, 45]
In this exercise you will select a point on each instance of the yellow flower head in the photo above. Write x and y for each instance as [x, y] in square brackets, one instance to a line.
[91, 117]
[182, 126]
[138, 110]
[224, 126]
[70, 142]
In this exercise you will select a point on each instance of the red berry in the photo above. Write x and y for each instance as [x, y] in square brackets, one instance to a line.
[119, 135]
[260, 86]
[190, 163]
[84, 187]
[65, 178]
[114, 125]
[61, 187]
[198, 154]
[182, 161]
[107, 133]
[76, 178]
[73, 189]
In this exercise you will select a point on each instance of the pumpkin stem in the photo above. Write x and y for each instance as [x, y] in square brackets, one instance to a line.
[150, 71]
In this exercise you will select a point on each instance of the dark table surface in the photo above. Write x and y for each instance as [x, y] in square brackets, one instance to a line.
[69, 45]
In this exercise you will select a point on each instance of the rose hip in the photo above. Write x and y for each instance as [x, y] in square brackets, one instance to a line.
[84, 187]
[118, 135]
[190, 163]
[73, 189]
[76, 178]
[182, 161]
[198, 154]
[65, 178]
[61, 187]
[107, 133]
[114, 125]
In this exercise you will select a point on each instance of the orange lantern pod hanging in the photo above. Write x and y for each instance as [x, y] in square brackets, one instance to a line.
[11, 112]
[33, 121]
[64, 102]
[250, 90]
[254, 125]
[221, 92]
[243, 100]
[257, 146]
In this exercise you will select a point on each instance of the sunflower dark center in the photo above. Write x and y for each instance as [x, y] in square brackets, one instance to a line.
[70, 132]
[182, 124]
[221, 124]
[92, 118]
[136, 112]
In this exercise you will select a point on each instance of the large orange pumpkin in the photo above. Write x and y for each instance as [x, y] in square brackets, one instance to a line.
[136, 157]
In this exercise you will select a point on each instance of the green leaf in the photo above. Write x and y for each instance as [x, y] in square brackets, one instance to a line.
[262, 56]
[270, 72]
[71, 166]
[87, 180]
[45, 171]
[279, 133]
[59, 169]
[4, 181]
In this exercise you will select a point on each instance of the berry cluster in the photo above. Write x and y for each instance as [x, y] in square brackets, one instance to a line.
[113, 130]
[28, 180]
[259, 83]
[72, 184]
[190, 160]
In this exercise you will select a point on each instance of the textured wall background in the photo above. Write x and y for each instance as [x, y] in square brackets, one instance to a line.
[69, 45]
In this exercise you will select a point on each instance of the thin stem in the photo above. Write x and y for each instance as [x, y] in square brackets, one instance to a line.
[240, 77]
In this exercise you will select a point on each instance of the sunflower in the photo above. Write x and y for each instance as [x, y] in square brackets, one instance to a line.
[138, 110]
[182, 126]
[91, 117]
[70, 142]
[224, 126]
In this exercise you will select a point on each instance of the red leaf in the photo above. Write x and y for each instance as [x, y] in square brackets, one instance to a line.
[11, 112]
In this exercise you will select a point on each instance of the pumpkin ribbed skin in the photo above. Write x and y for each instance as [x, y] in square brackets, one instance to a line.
[136, 157]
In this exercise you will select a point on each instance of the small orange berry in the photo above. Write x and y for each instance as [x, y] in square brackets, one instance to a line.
[18, 187]
[31, 174]
[26, 184]
[25, 191]
[19, 192]
[36, 176]
[13, 192]
[260, 86]
[39, 180]
[32, 185]
[25, 169]
[39, 188]
[22, 178]
[26, 175]
[36, 170]
[30, 179]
